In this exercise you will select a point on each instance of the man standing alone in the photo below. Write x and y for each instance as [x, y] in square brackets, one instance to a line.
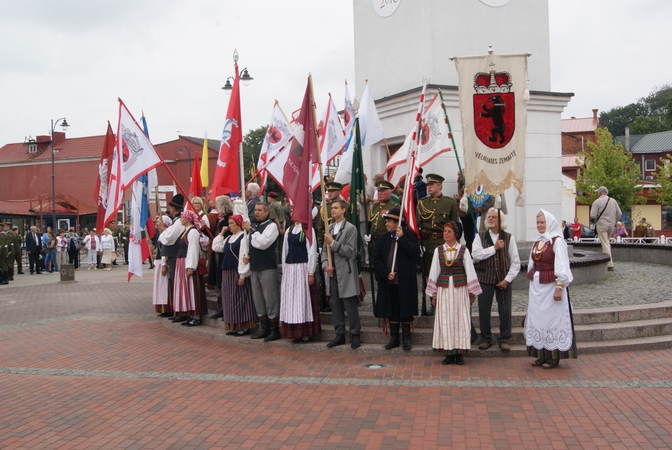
[605, 212]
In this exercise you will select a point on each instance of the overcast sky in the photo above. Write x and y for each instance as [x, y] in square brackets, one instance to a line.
[170, 58]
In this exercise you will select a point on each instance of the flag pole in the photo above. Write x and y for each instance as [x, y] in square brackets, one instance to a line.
[414, 148]
[319, 165]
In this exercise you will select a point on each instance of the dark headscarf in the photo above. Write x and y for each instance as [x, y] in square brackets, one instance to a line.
[457, 228]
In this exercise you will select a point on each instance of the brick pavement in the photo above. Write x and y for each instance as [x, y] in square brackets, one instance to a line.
[87, 365]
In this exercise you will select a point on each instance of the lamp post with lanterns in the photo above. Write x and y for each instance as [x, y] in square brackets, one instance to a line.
[64, 126]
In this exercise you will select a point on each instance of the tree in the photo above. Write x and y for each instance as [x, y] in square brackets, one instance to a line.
[649, 115]
[606, 164]
[252, 143]
[663, 192]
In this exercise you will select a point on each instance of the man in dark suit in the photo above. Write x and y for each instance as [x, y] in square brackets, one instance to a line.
[34, 248]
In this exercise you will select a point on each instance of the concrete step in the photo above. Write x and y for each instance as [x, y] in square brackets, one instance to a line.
[419, 349]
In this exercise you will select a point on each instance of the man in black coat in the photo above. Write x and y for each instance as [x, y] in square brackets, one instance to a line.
[34, 248]
[397, 301]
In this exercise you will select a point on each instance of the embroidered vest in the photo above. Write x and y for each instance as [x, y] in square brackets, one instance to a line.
[545, 265]
[488, 270]
[296, 249]
[456, 270]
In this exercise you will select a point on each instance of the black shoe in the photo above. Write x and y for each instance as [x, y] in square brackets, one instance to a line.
[240, 333]
[338, 340]
[165, 314]
[274, 334]
[406, 335]
[449, 360]
[394, 337]
[264, 331]
[179, 319]
[192, 323]
[39, 273]
[20, 273]
[327, 309]
[356, 343]
[231, 333]
[219, 314]
[459, 360]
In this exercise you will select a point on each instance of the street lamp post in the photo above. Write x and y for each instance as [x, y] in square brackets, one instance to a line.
[64, 126]
[180, 151]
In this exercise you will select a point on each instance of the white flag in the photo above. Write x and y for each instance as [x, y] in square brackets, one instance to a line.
[138, 154]
[369, 123]
[332, 140]
[348, 112]
[344, 173]
[434, 139]
[278, 134]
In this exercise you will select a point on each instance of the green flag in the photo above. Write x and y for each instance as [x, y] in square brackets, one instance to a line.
[357, 189]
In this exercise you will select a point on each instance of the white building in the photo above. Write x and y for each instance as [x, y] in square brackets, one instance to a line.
[400, 42]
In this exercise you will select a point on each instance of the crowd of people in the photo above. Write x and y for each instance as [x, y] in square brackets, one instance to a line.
[237, 256]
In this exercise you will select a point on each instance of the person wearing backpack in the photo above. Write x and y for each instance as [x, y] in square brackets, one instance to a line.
[605, 212]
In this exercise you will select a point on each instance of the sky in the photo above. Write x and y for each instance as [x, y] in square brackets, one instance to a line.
[170, 58]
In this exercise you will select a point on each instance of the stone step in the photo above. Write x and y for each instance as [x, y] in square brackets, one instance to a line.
[517, 350]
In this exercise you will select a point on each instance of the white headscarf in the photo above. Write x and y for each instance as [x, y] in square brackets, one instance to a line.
[553, 228]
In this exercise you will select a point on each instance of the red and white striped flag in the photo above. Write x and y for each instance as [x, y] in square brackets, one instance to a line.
[332, 140]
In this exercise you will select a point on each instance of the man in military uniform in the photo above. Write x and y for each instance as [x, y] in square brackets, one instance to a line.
[333, 194]
[6, 254]
[12, 248]
[433, 212]
[18, 241]
[378, 210]
[277, 215]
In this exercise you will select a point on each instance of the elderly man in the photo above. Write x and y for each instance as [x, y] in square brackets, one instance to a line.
[264, 267]
[34, 248]
[252, 197]
[341, 238]
[497, 265]
[605, 212]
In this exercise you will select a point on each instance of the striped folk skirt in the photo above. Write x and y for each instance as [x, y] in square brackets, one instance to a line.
[188, 292]
[237, 304]
[452, 321]
[299, 304]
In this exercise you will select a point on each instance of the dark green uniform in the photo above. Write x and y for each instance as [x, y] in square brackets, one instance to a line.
[376, 219]
[433, 213]
[6, 255]
[17, 251]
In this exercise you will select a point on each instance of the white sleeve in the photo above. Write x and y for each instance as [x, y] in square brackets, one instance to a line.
[515, 261]
[312, 253]
[171, 234]
[218, 244]
[481, 253]
[563, 274]
[434, 272]
[193, 249]
[285, 246]
[261, 241]
[473, 286]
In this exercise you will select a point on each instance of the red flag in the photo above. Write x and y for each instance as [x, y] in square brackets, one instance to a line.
[297, 173]
[196, 187]
[103, 179]
[227, 172]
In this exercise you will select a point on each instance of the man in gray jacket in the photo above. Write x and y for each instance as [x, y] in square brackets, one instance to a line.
[605, 212]
[341, 238]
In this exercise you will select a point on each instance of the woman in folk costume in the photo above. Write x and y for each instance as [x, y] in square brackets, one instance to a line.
[224, 210]
[453, 286]
[299, 304]
[237, 305]
[189, 288]
[160, 291]
[549, 328]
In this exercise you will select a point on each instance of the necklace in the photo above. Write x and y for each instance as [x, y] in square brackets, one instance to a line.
[445, 257]
[537, 252]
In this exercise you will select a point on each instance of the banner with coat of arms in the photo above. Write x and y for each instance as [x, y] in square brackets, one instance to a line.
[493, 108]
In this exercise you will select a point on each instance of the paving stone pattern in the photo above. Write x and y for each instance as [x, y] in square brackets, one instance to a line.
[87, 365]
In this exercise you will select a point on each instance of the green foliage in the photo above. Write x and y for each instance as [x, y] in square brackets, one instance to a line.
[650, 114]
[605, 164]
[252, 143]
[664, 189]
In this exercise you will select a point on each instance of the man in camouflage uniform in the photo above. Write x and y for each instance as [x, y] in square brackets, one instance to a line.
[379, 209]
[6, 254]
[18, 241]
[433, 212]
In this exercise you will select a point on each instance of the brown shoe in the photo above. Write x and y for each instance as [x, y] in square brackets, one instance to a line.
[504, 346]
[484, 345]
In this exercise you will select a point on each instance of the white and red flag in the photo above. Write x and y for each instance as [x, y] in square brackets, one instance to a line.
[134, 155]
[369, 122]
[278, 134]
[348, 111]
[302, 152]
[332, 140]
[227, 173]
[433, 139]
[100, 193]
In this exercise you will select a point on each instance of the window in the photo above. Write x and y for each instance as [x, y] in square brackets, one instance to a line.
[650, 165]
[666, 212]
[32, 148]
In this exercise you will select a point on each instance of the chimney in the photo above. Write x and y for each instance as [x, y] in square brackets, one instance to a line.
[595, 114]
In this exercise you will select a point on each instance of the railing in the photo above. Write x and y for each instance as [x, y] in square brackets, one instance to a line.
[662, 240]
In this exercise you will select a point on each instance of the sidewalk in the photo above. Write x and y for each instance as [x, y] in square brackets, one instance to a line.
[87, 365]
